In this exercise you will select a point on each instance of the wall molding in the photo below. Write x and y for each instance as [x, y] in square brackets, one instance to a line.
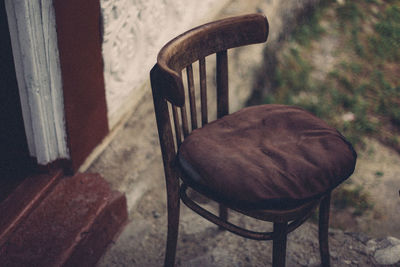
[34, 42]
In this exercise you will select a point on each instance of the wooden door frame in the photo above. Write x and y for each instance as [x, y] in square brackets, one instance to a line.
[34, 48]
[58, 45]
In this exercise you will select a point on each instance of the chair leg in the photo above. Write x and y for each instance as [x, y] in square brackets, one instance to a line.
[323, 230]
[223, 214]
[173, 228]
[279, 244]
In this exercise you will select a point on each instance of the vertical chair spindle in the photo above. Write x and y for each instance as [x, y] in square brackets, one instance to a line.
[203, 91]
[185, 125]
[222, 84]
[178, 133]
[192, 99]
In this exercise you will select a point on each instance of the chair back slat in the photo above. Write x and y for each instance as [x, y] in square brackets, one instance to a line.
[192, 98]
[178, 132]
[203, 91]
[222, 84]
[185, 125]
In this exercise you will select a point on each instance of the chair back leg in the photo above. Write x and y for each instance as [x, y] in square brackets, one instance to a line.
[323, 230]
[279, 244]
[223, 214]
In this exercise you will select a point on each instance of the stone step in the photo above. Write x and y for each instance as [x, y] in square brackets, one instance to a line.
[71, 226]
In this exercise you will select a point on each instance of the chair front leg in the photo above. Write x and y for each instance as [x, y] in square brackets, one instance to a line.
[323, 230]
[279, 244]
[173, 203]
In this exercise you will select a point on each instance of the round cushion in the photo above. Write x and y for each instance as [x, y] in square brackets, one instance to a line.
[268, 156]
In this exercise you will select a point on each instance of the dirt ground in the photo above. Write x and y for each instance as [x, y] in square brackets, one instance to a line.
[378, 174]
[132, 164]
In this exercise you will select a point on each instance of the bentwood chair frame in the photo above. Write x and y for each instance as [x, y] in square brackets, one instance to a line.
[167, 86]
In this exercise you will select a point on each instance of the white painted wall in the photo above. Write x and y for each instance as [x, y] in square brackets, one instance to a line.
[134, 32]
[35, 50]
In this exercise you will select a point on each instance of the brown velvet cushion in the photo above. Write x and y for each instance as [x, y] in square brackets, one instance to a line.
[269, 156]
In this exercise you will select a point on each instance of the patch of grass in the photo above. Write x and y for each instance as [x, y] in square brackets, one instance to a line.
[349, 13]
[295, 80]
[394, 140]
[309, 29]
[354, 67]
[386, 41]
[355, 198]
[360, 96]
[388, 98]
[349, 197]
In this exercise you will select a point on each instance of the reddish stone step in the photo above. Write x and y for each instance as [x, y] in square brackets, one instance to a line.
[72, 226]
[24, 199]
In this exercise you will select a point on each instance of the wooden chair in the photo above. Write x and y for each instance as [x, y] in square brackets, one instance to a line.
[281, 181]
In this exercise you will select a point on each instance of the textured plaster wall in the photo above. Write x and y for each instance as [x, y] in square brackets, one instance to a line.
[133, 33]
[135, 30]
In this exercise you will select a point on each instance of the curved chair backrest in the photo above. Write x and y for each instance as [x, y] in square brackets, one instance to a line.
[181, 52]
[196, 44]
